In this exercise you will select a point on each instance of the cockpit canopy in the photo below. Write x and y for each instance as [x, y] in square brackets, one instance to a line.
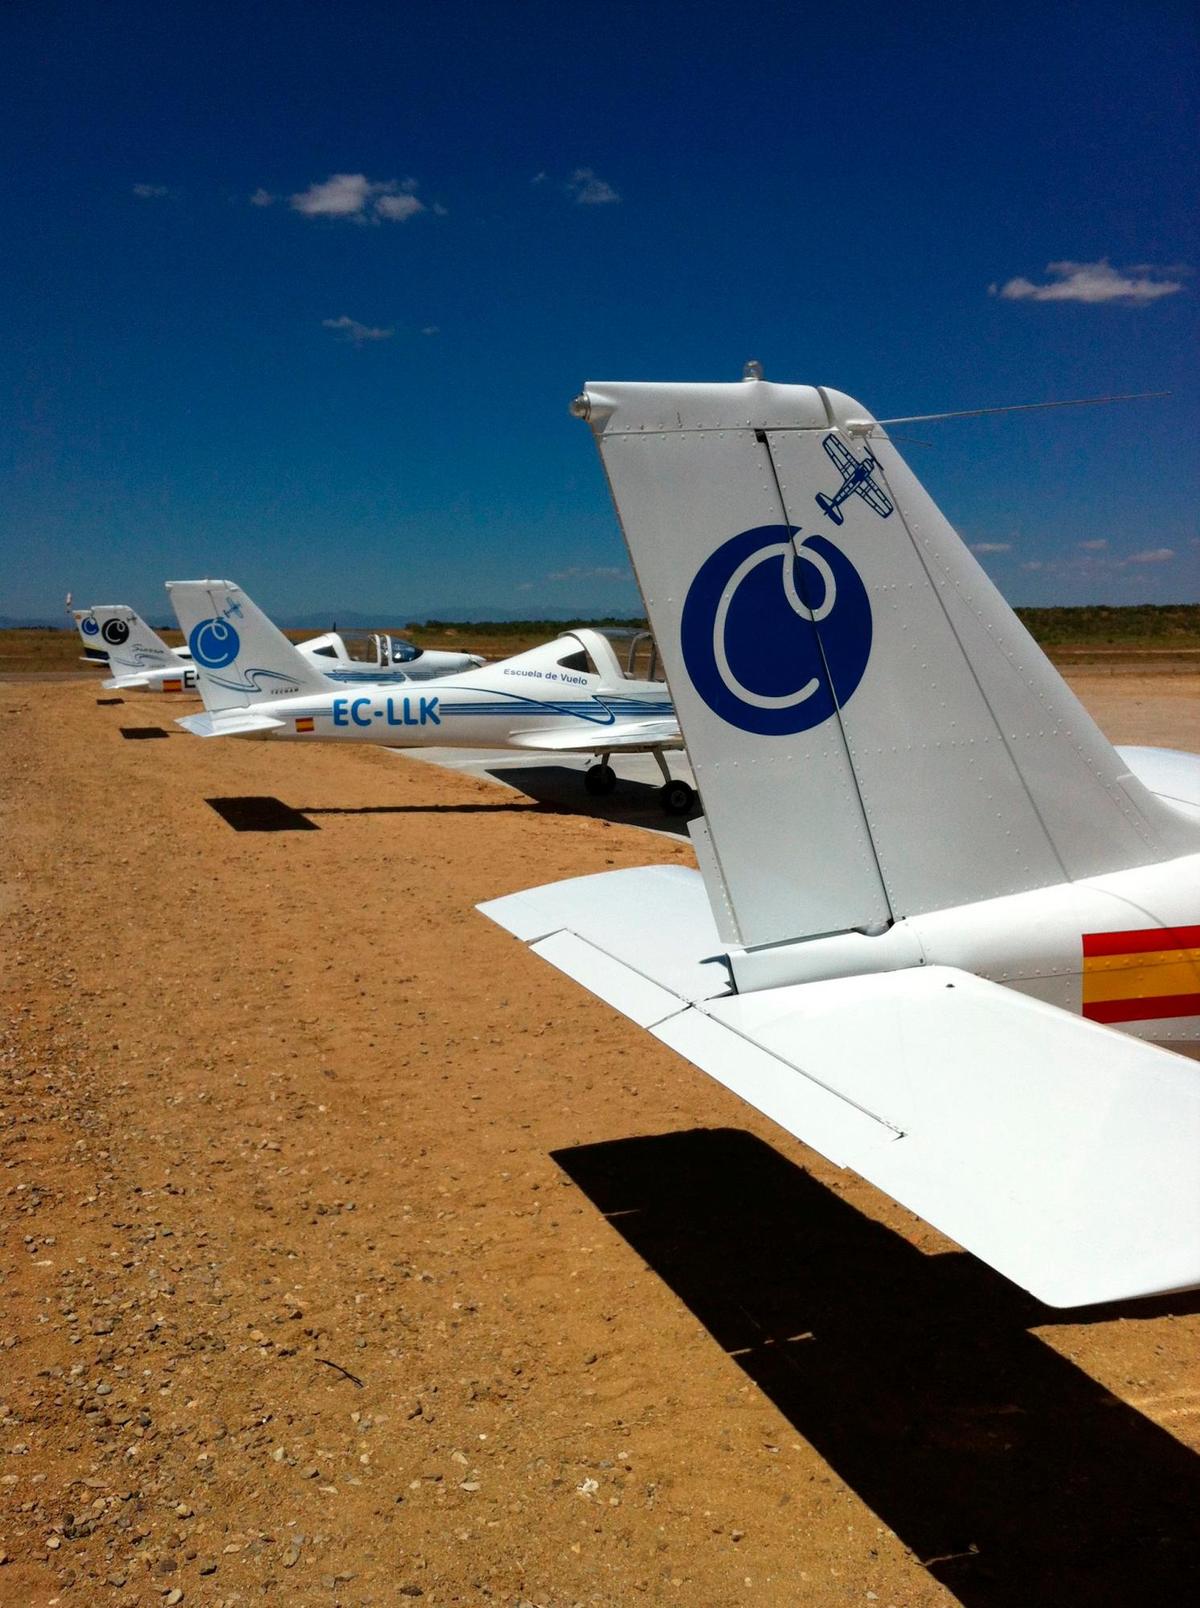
[372, 648]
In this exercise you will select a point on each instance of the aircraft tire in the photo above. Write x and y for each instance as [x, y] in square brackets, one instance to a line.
[677, 797]
[600, 780]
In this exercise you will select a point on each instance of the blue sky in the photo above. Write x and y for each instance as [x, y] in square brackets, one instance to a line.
[350, 392]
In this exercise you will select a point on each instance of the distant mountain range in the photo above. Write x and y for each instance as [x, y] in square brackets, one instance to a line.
[352, 619]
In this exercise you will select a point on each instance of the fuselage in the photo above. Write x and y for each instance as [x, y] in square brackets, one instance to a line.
[483, 708]
[1121, 949]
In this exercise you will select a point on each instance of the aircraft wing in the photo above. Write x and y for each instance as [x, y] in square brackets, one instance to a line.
[840, 453]
[628, 737]
[1061, 1153]
[228, 723]
[874, 498]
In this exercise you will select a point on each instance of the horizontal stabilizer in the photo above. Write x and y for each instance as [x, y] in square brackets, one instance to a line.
[1061, 1153]
[628, 737]
[674, 944]
[229, 723]
[124, 683]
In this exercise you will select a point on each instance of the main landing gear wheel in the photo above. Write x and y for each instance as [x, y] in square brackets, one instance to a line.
[600, 780]
[677, 797]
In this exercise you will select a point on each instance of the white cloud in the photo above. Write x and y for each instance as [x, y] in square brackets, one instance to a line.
[431, 329]
[353, 331]
[1152, 555]
[1032, 564]
[262, 198]
[1096, 546]
[590, 191]
[150, 192]
[1092, 282]
[398, 207]
[362, 200]
[992, 547]
[342, 196]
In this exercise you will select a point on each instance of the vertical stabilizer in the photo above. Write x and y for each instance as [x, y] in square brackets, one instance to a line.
[132, 646]
[873, 732]
[239, 656]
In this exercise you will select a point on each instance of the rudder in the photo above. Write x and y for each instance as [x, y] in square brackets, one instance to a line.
[239, 655]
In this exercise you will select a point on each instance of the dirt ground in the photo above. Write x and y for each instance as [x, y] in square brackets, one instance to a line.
[352, 1255]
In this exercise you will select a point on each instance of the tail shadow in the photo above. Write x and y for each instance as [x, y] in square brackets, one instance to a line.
[1013, 1476]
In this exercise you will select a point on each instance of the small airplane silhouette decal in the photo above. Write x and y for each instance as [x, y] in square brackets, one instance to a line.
[856, 481]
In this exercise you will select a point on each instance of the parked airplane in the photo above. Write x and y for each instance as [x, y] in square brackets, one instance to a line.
[930, 890]
[569, 696]
[143, 662]
[372, 658]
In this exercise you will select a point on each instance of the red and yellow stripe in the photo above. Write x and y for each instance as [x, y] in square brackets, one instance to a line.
[305, 723]
[1142, 975]
[173, 686]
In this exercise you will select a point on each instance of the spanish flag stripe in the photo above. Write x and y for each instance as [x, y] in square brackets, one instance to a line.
[1149, 1009]
[1172, 971]
[1146, 938]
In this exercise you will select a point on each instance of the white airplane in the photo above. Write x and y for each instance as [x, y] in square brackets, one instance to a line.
[143, 662]
[942, 930]
[569, 696]
[373, 658]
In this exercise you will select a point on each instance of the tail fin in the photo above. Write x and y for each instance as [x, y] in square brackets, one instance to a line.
[88, 627]
[873, 732]
[828, 506]
[240, 658]
[133, 646]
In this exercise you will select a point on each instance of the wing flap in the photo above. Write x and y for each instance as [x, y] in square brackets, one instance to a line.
[1065, 1155]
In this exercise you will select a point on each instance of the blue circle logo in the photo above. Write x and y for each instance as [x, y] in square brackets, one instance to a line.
[214, 644]
[88, 626]
[776, 635]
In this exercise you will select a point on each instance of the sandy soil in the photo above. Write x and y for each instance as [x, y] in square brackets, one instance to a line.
[351, 1255]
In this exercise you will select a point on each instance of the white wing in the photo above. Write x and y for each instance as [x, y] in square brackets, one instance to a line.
[1058, 1151]
[630, 737]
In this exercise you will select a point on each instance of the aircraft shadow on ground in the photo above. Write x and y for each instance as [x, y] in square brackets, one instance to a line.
[1012, 1475]
[134, 732]
[107, 703]
[261, 815]
[631, 803]
[250, 814]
